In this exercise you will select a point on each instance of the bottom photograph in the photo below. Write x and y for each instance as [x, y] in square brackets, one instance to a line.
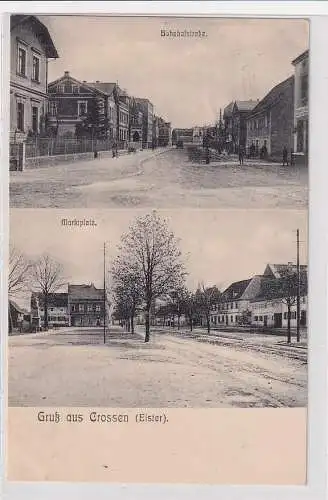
[157, 309]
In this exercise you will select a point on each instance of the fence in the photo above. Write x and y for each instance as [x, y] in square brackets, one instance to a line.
[41, 147]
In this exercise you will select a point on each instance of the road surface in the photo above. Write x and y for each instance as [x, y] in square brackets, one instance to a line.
[166, 180]
[72, 367]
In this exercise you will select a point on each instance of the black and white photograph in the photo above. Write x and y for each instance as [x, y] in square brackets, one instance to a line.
[149, 313]
[158, 297]
[156, 112]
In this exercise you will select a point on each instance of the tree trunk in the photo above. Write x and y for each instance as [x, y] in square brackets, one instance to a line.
[147, 336]
[10, 320]
[178, 322]
[208, 324]
[45, 320]
[288, 326]
[132, 323]
[191, 325]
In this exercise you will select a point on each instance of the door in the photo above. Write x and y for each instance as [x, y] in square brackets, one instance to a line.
[278, 320]
[265, 320]
[303, 318]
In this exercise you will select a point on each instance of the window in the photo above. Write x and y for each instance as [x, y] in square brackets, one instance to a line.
[53, 109]
[73, 308]
[304, 89]
[35, 119]
[285, 315]
[20, 116]
[97, 308]
[231, 319]
[36, 69]
[89, 307]
[261, 318]
[82, 108]
[75, 89]
[81, 307]
[21, 61]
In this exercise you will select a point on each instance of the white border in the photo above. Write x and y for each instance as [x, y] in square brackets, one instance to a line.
[318, 249]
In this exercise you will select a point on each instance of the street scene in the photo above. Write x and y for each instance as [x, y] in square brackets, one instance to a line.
[107, 135]
[166, 178]
[160, 316]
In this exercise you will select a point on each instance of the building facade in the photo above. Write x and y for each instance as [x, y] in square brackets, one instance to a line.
[135, 124]
[31, 47]
[57, 306]
[86, 305]
[30, 50]
[301, 107]
[79, 109]
[270, 125]
[240, 112]
[147, 109]
[164, 133]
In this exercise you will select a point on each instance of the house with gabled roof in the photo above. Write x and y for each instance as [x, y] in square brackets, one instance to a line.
[86, 305]
[240, 112]
[79, 108]
[270, 124]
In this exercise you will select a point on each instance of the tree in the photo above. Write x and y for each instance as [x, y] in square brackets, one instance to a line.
[127, 295]
[18, 276]
[149, 251]
[190, 308]
[178, 300]
[47, 277]
[205, 297]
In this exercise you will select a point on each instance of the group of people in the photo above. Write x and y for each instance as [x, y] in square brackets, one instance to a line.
[264, 155]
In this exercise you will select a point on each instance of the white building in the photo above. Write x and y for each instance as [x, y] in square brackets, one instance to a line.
[301, 107]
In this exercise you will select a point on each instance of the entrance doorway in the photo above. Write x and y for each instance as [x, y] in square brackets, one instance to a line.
[278, 320]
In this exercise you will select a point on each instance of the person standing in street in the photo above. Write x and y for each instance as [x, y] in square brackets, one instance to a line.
[284, 157]
[241, 155]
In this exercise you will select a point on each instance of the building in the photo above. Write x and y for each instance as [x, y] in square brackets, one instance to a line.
[233, 307]
[240, 112]
[86, 305]
[155, 131]
[135, 124]
[270, 124]
[147, 109]
[19, 319]
[123, 111]
[278, 293]
[301, 107]
[82, 109]
[31, 47]
[164, 133]
[57, 306]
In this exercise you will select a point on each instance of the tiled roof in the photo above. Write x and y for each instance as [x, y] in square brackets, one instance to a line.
[246, 105]
[281, 270]
[273, 288]
[107, 88]
[274, 95]
[15, 306]
[235, 290]
[302, 56]
[85, 292]
[54, 299]
[228, 109]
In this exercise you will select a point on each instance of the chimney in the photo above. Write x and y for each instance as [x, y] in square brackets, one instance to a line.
[66, 73]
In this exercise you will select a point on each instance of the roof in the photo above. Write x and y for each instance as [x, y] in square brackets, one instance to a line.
[54, 299]
[19, 309]
[228, 109]
[235, 290]
[281, 270]
[246, 105]
[105, 87]
[85, 292]
[301, 57]
[40, 30]
[273, 288]
[275, 94]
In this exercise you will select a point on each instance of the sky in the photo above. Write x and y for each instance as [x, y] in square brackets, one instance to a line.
[219, 247]
[187, 79]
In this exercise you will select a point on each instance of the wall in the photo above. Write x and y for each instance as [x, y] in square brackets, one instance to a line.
[282, 115]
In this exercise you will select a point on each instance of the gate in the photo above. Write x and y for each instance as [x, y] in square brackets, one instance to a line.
[16, 156]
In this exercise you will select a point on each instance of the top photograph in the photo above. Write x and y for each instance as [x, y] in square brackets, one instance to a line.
[155, 112]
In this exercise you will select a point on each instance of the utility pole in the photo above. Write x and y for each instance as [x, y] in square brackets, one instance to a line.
[104, 293]
[298, 287]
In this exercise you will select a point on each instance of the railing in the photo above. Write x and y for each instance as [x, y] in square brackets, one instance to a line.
[63, 146]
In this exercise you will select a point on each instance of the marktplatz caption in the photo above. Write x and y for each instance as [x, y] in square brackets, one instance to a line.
[99, 417]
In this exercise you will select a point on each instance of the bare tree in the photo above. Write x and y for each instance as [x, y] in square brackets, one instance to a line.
[18, 275]
[149, 251]
[47, 278]
[178, 300]
[205, 297]
[190, 308]
[127, 296]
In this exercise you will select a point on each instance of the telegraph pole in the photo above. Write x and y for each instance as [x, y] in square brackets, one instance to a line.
[104, 293]
[298, 287]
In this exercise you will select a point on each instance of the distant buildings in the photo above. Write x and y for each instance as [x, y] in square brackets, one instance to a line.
[147, 110]
[86, 305]
[57, 307]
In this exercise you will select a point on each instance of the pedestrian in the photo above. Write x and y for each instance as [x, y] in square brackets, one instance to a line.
[284, 157]
[241, 155]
